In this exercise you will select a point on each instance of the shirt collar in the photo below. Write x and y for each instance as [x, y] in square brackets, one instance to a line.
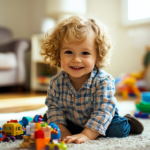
[88, 83]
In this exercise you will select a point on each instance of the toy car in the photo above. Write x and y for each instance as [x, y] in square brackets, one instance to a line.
[56, 146]
[12, 130]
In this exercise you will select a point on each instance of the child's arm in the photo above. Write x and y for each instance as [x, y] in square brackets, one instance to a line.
[55, 112]
[90, 133]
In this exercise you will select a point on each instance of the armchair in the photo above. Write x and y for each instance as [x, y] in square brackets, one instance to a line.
[12, 66]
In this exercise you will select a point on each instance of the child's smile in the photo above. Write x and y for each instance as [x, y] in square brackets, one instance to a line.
[78, 60]
[76, 68]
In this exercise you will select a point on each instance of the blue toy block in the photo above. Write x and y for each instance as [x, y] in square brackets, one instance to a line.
[139, 114]
[146, 96]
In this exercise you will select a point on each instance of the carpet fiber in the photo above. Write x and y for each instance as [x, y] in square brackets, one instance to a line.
[137, 142]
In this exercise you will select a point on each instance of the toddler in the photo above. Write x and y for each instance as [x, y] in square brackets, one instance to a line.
[80, 99]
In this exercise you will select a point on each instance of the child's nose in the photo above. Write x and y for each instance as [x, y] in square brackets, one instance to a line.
[76, 59]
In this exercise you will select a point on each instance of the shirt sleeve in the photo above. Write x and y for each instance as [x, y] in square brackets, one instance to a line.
[104, 106]
[54, 113]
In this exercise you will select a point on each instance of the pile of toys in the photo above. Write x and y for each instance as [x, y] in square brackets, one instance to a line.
[127, 85]
[35, 133]
[143, 107]
[133, 83]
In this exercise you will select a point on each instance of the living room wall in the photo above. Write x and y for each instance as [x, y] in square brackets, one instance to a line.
[24, 18]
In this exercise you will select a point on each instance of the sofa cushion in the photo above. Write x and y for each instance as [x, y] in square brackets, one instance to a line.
[8, 61]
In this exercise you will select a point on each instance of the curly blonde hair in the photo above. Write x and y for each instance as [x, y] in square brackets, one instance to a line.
[75, 30]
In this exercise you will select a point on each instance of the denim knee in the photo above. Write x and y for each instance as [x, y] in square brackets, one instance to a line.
[118, 129]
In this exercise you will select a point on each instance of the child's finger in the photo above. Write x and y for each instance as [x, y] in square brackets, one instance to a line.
[68, 137]
[70, 140]
[64, 139]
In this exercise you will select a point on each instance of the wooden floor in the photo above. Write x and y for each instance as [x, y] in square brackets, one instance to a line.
[13, 102]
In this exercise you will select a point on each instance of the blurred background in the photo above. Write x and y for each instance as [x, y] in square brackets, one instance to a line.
[23, 24]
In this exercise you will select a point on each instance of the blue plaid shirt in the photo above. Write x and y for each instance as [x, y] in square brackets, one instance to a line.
[93, 106]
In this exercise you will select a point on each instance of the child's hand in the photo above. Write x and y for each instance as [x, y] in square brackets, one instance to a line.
[64, 135]
[77, 138]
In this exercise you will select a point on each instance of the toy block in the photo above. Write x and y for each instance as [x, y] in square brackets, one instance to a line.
[37, 126]
[30, 128]
[39, 134]
[27, 142]
[47, 131]
[40, 143]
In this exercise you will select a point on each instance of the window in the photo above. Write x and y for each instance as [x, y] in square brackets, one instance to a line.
[9, 128]
[135, 12]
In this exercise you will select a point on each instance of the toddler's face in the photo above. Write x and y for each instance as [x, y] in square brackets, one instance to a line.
[79, 60]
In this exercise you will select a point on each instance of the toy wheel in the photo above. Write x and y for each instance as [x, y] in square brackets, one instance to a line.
[47, 147]
[56, 147]
[13, 138]
[19, 137]
[7, 139]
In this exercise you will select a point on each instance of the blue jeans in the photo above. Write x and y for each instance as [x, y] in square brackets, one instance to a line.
[119, 127]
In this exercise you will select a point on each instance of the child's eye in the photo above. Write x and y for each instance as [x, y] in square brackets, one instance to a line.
[68, 52]
[85, 53]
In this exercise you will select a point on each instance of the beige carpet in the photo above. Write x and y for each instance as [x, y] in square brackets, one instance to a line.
[137, 142]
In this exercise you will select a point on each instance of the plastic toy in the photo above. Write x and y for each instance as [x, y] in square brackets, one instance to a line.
[28, 142]
[146, 96]
[30, 128]
[38, 118]
[4, 138]
[127, 86]
[25, 121]
[12, 130]
[139, 114]
[55, 131]
[143, 106]
[56, 146]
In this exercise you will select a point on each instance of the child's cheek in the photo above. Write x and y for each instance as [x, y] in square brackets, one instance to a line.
[90, 63]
